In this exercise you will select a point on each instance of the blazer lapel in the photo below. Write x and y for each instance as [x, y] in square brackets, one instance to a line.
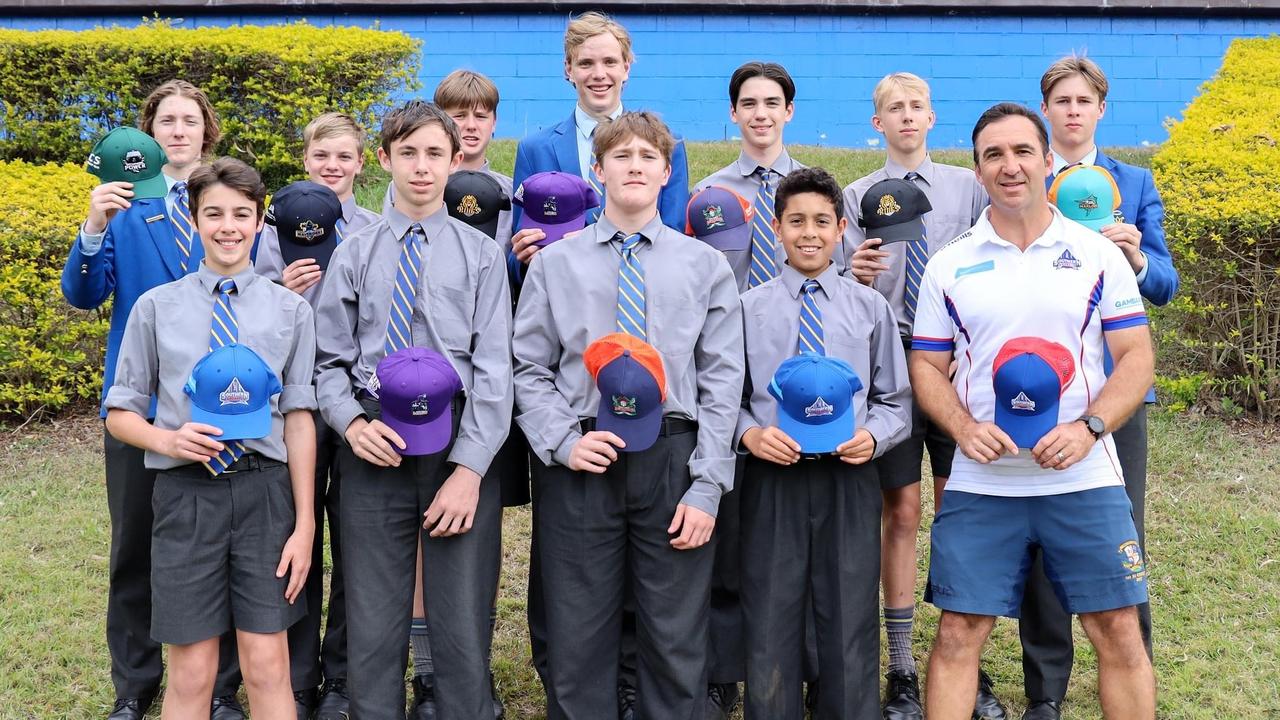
[152, 212]
[566, 147]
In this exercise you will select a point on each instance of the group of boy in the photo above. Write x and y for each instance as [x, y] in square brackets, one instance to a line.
[654, 589]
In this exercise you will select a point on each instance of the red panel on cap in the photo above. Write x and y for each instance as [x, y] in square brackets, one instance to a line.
[1058, 357]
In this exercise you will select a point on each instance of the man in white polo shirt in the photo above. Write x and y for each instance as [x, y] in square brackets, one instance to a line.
[1025, 272]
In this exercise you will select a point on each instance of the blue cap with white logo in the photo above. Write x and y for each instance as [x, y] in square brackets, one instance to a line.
[815, 401]
[1029, 376]
[231, 389]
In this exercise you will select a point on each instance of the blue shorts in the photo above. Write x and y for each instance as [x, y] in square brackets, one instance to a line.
[982, 551]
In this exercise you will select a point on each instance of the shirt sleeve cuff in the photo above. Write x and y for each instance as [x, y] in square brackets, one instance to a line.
[471, 454]
[91, 243]
[342, 415]
[704, 495]
[745, 423]
[123, 398]
[298, 397]
[1146, 265]
[561, 453]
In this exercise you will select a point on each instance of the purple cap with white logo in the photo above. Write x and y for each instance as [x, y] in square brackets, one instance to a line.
[416, 387]
[555, 203]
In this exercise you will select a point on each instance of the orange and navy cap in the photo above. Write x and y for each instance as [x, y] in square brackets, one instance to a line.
[628, 373]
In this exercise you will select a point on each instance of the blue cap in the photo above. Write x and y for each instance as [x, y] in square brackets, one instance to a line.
[231, 389]
[1029, 376]
[630, 402]
[815, 401]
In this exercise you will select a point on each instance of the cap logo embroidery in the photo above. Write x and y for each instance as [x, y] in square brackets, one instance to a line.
[420, 406]
[309, 231]
[235, 394]
[95, 161]
[623, 405]
[819, 408]
[469, 206]
[888, 206]
[549, 207]
[713, 216]
[1022, 402]
[134, 162]
[1066, 261]
[1088, 204]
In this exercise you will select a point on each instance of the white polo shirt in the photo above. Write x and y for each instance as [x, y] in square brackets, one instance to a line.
[1069, 287]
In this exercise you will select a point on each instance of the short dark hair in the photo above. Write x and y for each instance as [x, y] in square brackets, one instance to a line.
[406, 119]
[231, 172]
[808, 180]
[769, 70]
[1003, 110]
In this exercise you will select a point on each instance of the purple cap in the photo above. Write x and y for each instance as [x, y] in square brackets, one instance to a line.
[721, 218]
[555, 203]
[416, 387]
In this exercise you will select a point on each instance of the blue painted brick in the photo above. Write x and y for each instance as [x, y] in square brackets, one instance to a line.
[405, 23]
[1133, 67]
[1201, 45]
[726, 23]
[1177, 25]
[31, 23]
[861, 23]
[540, 21]
[1039, 25]
[1088, 25]
[1157, 45]
[771, 23]
[1209, 66]
[906, 24]
[1180, 68]
[1133, 25]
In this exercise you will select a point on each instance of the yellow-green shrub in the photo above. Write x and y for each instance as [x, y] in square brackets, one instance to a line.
[1219, 175]
[61, 89]
[50, 354]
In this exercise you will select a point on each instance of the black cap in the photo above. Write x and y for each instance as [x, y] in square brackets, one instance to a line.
[892, 210]
[305, 215]
[476, 198]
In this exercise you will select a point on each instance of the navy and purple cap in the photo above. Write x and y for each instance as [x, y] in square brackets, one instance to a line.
[476, 199]
[893, 210]
[305, 215]
[416, 388]
[720, 217]
[632, 384]
[1029, 375]
[555, 203]
[815, 401]
[231, 389]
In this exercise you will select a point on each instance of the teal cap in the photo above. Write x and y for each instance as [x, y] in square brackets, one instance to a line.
[129, 155]
[1086, 194]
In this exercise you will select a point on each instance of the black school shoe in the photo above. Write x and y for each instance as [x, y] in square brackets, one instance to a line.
[226, 707]
[129, 708]
[1043, 710]
[722, 699]
[902, 696]
[424, 698]
[987, 706]
[626, 701]
[334, 704]
[499, 712]
[304, 701]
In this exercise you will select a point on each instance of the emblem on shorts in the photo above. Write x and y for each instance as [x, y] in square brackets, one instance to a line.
[713, 216]
[1131, 559]
[1066, 261]
[1022, 402]
[420, 406]
[134, 162]
[469, 206]
[309, 231]
[625, 406]
[819, 408]
[95, 162]
[888, 206]
[549, 207]
[235, 394]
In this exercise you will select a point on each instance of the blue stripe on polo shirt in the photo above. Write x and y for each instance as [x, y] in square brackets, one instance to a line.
[1124, 321]
[929, 344]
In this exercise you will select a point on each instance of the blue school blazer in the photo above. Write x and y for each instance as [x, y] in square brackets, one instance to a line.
[137, 254]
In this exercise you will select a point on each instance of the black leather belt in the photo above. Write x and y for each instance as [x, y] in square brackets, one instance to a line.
[248, 461]
[671, 425]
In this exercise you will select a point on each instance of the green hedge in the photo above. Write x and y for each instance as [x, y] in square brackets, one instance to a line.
[1219, 176]
[61, 89]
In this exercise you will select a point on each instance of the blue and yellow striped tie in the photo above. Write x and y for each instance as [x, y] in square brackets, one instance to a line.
[811, 338]
[593, 214]
[400, 320]
[224, 331]
[181, 220]
[917, 258]
[630, 288]
[341, 229]
[764, 263]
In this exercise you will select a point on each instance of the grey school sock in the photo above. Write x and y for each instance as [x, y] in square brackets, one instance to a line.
[421, 648]
[897, 625]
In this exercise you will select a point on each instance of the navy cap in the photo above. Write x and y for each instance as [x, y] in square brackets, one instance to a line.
[476, 198]
[893, 210]
[305, 215]
[721, 218]
[632, 382]
[231, 389]
[815, 401]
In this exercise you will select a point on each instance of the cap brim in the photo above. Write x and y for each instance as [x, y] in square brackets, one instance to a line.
[554, 231]
[244, 426]
[639, 432]
[1026, 430]
[425, 438]
[910, 230]
[292, 251]
[1096, 224]
[824, 438]
[738, 238]
[154, 187]
[489, 228]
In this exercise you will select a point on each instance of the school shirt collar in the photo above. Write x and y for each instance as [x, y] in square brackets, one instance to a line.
[431, 224]
[1060, 163]
[1050, 237]
[793, 280]
[605, 229]
[587, 124]
[209, 279]
[926, 170]
[747, 167]
[349, 209]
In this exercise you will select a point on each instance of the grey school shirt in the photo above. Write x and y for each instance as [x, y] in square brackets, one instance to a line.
[462, 310]
[168, 332]
[957, 199]
[503, 235]
[858, 327]
[270, 263]
[569, 299]
[739, 176]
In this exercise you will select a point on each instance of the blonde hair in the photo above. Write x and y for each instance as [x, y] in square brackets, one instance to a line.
[593, 23]
[332, 125]
[467, 89]
[907, 82]
[182, 88]
[642, 124]
[1074, 65]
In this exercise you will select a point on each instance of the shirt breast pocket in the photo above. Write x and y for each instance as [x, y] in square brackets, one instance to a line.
[452, 310]
[674, 323]
[856, 352]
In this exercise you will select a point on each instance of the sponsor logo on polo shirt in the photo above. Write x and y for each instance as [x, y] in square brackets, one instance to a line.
[1066, 261]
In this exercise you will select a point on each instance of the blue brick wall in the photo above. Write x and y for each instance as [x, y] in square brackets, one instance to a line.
[1156, 63]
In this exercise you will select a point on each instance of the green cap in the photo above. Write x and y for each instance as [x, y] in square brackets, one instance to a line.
[129, 155]
[1086, 194]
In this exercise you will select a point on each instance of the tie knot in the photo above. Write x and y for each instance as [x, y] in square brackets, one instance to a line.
[629, 242]
[767, 176]
[913, 176]
[226, 285]
[415, 232]
[180, 188]
[810, 286]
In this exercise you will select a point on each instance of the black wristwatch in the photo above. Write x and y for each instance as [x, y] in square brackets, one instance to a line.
[1095, 425]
